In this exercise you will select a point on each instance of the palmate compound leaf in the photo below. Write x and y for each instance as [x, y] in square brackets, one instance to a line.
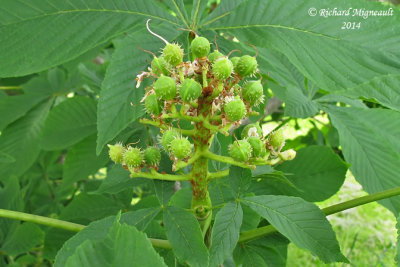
[370, 143]
[225, 233]
[123, 246]
[29, 26]
[119, 103]
[301, 222]
[97, 231]
[330, 57]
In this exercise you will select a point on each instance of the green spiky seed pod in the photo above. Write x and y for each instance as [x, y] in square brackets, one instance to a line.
[240, 150]
[153, 105]
[133, 157]
[173, 54]
[116, 152]
[214, 55]
[222, 68]
[253, 92]
[277, 139]
[165, 88]
[235, 109]
[152, 156]
[252, 129]
[247, 65]
[181, 148]
[235, 61]
[167, 138]
[190, 90]
[258, 147]
[160, 66]
[200, 47]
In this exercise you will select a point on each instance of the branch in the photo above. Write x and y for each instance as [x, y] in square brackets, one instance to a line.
[69, 226]
[158, 176]
[220, 174]
[269, 229]
[182, 164]
[166, 127]
[228, 160]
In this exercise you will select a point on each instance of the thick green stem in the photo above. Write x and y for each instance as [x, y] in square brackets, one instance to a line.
[41, 220]
[158, 176]
[269, 229]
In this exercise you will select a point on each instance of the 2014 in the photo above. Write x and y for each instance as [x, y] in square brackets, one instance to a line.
[351, 25]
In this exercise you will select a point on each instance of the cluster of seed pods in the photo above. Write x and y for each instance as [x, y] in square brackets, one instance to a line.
[228, 85]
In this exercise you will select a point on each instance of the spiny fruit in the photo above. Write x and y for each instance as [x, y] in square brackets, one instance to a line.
[252, 129]
[133, 157]
[200, 47]
[258, 147]
[153, 105]
[152, 156]
[159, 66]
[116, 152]
[235, 109]
[167, 138]
[214, 55]
[288, 154]
[234, 61]
[190, 90]
[247, 65]
[173, 54]
[276, 139]
[165, 88]
[181, 148]
[240, 150]
[253, 92]
[222, 68]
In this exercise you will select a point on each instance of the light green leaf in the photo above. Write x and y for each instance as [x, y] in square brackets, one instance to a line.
[81, 161]
[69, 122]
[179, 8]
[20, 140]
[370, 143]
[198, 9]
[225, 233]
[24, 238]
[317, 173]
[97, 231]
[301, 222]
[330, 57]
[384, 90]
[184, 233]
[123, 246]
[223, 9]
[24, 53]
[119, 103]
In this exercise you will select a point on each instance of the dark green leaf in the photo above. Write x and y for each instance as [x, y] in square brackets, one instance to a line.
[116, 181]
[184, 233]
[32, 51]
[164, 190]
[370, 143]
[5, 158]
[20, 140]
[240, 179]
[98, 230]
[225, 233]
[301, 222]
[81, 161]
[123, 246]
[69, 122]
[24, 238]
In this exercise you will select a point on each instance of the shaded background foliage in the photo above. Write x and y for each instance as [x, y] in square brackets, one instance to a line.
[68, 67]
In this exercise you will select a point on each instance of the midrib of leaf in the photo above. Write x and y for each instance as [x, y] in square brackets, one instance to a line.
[182, 233]
[180, 14]
[60, 12]
[195, 14]
[287, 218]
[273, 26]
